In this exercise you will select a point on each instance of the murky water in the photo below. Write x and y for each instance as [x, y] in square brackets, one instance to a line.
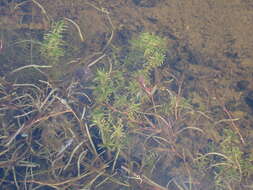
[194, 129]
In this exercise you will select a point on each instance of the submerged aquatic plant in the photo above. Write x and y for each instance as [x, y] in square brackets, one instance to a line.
[51, 47]
[121, 95]
[227, 162]
[152, 48]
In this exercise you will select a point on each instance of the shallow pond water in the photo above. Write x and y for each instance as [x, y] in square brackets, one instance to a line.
[192, 129]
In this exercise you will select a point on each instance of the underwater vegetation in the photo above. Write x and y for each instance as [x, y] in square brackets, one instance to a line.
[52, 44]
[126, 126]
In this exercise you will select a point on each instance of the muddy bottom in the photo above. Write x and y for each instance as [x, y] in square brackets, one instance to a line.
[203, 142]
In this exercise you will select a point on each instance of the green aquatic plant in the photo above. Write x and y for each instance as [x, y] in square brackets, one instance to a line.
[152, 48]
[177, 105]
[52, 45]
[103, 87]
[229, 166]
[112, 108]
[237, 166]
[150, 160]
[120, 93]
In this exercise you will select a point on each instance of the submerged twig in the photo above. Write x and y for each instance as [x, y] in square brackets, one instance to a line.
[30, 66]
[30, 123]
[72, 154]
[77, 27]
[231, 119]
[144, 179]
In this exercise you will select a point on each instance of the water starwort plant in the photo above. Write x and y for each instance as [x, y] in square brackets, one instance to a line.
[52, 45]
[120, 93]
